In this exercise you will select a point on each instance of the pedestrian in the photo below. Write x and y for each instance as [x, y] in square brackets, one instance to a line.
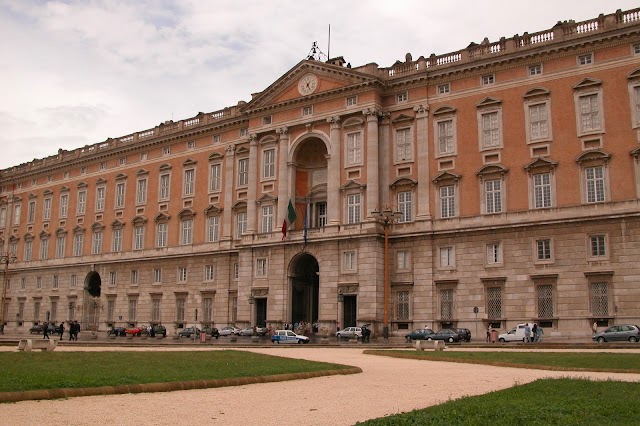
[527, 333]
[534, 333]
[76, 330]
[539, 334]
[489, 334]
[594, 327]
[45, 331]
[71, 330]
[61, 329]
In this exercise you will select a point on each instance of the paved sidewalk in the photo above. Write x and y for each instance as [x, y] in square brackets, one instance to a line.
[386, 386]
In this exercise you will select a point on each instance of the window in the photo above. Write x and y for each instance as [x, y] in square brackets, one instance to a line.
[403, 306]
[494, 302]
[44, 248]
[96, 245]
[308, 110]
[134, 277]
[268, 163]
[353, 209]
[82, 202]
[261, 267]
[636, 49]
[180, 309]
[267, 219]
[166, 150]
[143, 156]
[545, 301]
[494, 254]
[207, 309]
[100, 195]
[111, 309]
[443, 89]
[635, 107]
[31, 212]
[74, 281]
[488, 79]
[138, 237]
[585, 59]
[447, 201]
[215, 177]
[16, 214]
[191, 144]
[217, 139]
[116, 243]
[182, 274]
[120, 188]
[404, 148]
[535, 70]
[60, 245]
[243, 172]
[542, 190]
[597, 245]
[354, 149]
[241, 224]
[64, 205]
[28, 250]
[446, 304]
[321, 214]
[113, 278]
[133, 309]
[55, 282]
[54, 310]
[405, 206]
[493, 196]
[83, 170]
[445, 137]
[141, 192]
[157, 275]
[404, 260]
[590, 117]
[78, 240]
[36, 310]
[352, 100]
[491, 127]
[594, 179]
[244, 132]
[38, 282]
[187, 232]
[162, 230]
[236, 270]
[189, 182]
[402, 97]
[208, 273]
[165, 182]
[543, 249]
[599, 299]
[538, 122]
[72, 310]
[3, 217]
[213, 229]
[122, 161]
[349, 261]
[155, 309]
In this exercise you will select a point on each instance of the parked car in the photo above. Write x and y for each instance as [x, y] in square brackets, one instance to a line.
[465, 334]
[349, 332]
[160, 330]
[135, 331]
[618, 333]
[37, 329]
[187, 332]
[288, 336]
[211, 331]
[117, 331]
[248, 331]
[445, 334]
[516, 334]
[229, 330]
[418, 334]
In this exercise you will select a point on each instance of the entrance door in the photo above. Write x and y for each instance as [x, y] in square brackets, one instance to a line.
[350, 311]
[261, 312]
[305, 287]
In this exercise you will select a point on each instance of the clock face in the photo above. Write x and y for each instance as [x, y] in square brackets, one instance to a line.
[308, 84]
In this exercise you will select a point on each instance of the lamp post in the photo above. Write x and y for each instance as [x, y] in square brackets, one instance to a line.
[386, 217]
[6, 259]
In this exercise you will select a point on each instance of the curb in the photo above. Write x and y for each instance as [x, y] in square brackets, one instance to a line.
[166, 387]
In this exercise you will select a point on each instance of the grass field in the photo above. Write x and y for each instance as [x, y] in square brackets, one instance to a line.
[569, 361]
[51, 370]
[543, 402]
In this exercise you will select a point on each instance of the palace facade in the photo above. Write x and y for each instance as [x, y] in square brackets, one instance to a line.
[511, 170]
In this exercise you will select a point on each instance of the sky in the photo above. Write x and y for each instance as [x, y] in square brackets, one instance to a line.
[74, 73]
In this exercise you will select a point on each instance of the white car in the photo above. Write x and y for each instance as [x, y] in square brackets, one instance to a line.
[350, 332]
[228, 331]
[288, 336]
[516, 334]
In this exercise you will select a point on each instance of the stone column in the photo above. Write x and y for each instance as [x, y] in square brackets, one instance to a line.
[283, 175]
[254, 172]
[373, 177]
[383, 166]
[424, 183]
[333, 173]
[227, 217]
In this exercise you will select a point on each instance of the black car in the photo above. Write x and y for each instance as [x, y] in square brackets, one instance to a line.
[465, 334]
[117, 331]
[446, 334]
[37, 329]
[211, 331]
[159, 330]
[419, 334]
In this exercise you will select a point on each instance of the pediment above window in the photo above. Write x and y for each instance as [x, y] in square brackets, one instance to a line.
[82, 185]
[28, 236]
[489, 102]
[243, 150]
[44, 235]
[490, 169]
[239, 205]
[142, 172]
[97, 227]
[117, 224]
[101, 181]
[268, 140]
[162, 217]
[213, 210]
[539, 163]
[445, 109]
[588, 83]
[266, 198]
[635, 153]
[353, 121]
[14, 239]
[48, 192]
[64, 189]
[403, 181]
[139, 220]
[186, 214]
[402, 119]
[446, 177]
[215, 156]
[61, 232]
[165, 167]
[121, 176]
[78, 229]
[32, 196]
[634, 75]
[536, 91]
[593, 155]
[352, 184]
[189, 162]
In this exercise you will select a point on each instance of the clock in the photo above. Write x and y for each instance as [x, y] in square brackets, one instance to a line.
[308, 84]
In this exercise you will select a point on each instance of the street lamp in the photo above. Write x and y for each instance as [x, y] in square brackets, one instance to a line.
[6, 259]
[386, 217]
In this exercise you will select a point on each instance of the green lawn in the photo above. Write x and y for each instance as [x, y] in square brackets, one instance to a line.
[51, 370]
[569, 361]
[543, 402]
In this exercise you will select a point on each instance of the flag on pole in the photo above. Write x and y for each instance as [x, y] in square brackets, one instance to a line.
[291, 217]
[304, 233]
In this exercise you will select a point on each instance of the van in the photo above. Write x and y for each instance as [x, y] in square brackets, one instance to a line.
[516, 334]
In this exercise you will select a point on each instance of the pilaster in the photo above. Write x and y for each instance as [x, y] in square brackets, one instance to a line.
[422, 140]
[333, 172]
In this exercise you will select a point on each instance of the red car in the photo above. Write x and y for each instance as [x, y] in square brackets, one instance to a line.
[134, 331]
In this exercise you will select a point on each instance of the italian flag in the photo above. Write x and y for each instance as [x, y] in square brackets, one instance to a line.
[291, 217]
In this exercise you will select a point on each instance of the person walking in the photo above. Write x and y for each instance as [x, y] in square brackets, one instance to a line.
[539, 334]
[61, 330]
[527, 333]
[76, 330]
[534, 333]
[594, 327]
[70, 330]
[45, 331]
[488, 334]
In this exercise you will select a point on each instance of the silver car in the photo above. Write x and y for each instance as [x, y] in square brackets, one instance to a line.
[349, 333]
[618, 333]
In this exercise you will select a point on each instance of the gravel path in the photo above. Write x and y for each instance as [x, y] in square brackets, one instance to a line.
[386, 386]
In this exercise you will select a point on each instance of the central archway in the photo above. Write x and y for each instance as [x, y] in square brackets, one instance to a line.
[92, 301]
[305, 288]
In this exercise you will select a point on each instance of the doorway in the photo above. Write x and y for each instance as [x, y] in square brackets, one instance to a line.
[305, 289]
[350, 310]
[92, 302]
[261, 312]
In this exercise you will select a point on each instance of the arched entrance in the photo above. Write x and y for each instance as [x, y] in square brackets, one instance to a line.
[92, 301]
[305, 288]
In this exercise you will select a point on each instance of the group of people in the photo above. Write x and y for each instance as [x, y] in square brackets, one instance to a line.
[302, 328]
[533, 334]
[74, 329]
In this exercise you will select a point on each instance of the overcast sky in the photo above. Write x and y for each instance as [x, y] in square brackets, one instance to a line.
[74, 73]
